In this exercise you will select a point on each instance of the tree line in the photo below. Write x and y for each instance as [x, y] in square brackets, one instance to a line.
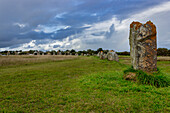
[160, 52]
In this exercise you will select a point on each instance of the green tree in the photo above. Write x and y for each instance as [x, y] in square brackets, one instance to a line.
[72, 51]
[162, 52]
[100, 49]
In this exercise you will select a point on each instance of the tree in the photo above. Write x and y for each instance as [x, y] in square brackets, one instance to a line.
[89, 51]
[31, 51]
[162, 52]
[123, 53]
[169, 52]
[100, 49]
[72, 51]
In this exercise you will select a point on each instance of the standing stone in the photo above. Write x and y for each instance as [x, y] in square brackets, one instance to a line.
[58, 53]
[16, 53]
[143, 46]
[104, 56]
[35, 53]
[116, 57]
[53, 53]
[112, 56]
[82, 54]
[48, 53]
[98, 54]
[101, 55]
[8, 53]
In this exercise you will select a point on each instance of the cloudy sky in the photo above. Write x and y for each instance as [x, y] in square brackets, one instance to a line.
[78, 24]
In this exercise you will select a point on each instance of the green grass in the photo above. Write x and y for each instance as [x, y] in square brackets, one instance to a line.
[156, 79]
[85, 84]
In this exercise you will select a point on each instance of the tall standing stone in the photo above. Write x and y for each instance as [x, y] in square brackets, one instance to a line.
[143, 46]
[8, 53]
[16, 53]
[53, 53]
[112, 56]
[98, 54]
[101, 55]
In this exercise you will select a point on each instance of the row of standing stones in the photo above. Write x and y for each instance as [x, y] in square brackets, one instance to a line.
[143, 47]
[111, 56]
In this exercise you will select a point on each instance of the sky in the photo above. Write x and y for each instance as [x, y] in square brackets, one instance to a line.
[78, 24]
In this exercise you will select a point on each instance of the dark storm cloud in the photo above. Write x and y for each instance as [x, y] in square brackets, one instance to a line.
[30, 12]
[20, 18]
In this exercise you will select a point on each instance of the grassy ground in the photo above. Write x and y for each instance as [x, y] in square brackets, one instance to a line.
[84, 84]
[30, 59]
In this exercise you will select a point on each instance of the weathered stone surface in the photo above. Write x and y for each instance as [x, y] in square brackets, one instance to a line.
[102, 55]
[8, 53]
[116, 57]
[111, 55]
[36, 53]
[105, 56]
[16, 53]
[48, 53]
[59, 53]
[143, 46]
[53, 53]
[98, 54]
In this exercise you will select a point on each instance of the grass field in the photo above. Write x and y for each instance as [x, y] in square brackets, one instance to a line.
[79, 84]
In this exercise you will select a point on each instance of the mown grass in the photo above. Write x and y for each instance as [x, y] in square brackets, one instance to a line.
[85, 84]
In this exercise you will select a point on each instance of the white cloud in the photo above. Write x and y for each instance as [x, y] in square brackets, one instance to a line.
[60, 15]
[86, 25]
[50, 29]
[94, 14]
[20, 25]
[30, 44]
[66, 27]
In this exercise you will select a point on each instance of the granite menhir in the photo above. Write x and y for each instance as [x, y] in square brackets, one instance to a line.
[143, 46]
